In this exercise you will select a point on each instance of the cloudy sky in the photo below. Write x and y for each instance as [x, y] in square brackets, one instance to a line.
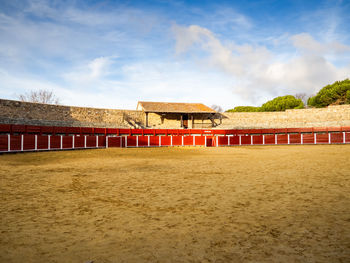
[113, 53]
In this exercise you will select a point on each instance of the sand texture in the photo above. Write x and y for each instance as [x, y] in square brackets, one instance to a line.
[239, 204]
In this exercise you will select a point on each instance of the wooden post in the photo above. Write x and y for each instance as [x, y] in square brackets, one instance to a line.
[182, 121]
[146, 119]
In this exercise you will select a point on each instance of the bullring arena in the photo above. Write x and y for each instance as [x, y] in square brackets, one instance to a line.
[186, 186]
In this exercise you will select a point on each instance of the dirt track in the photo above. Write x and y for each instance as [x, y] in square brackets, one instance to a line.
[241, 204]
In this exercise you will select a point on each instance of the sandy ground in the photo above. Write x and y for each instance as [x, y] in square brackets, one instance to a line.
[240, 204]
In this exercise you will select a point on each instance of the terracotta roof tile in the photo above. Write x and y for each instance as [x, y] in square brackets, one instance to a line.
[172, 107]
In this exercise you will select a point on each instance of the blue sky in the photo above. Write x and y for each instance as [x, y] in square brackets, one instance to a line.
[113, 53]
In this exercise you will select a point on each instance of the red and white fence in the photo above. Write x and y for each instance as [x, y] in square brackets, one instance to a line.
[37, 142]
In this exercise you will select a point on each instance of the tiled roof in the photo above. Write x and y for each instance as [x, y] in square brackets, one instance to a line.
[171, 107]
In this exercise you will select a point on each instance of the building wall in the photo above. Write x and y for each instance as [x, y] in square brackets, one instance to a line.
[16, 112]
[332, 116]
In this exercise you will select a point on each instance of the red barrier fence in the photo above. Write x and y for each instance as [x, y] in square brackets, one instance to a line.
[27, 142]
[15, 129]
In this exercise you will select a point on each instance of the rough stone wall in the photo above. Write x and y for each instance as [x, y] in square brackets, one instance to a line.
[16, 112]
[332, 116]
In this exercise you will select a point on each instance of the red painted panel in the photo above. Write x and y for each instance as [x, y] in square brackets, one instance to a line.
[100, 130]
[112, 131]
[78, 141]
[246, 140]
[266, 131]
[67, 142]
[47, 129]
[19, 128]
[223, 140]
[143, 141]
[322, 137]
[293, 130]
[55, 142]
[320, 129]
[101, 141]
[282, 139]
[90, 141]
[234, 140]
[257, 139]
[73, 130]
[15, 141]
[60, 130]
[28, 142]
[281, 130]
[345, 128]
[337, 137]
[5, 128]
[86, 130]
[166, 140]
[347, 137]
[269, 139]
[42, 142]
[114, 141]
[33, 129]
[154, 140]
[131, 141]
[199, 140]
[188, 140]
[210, 141]
[308, 138]
[334, 129]
[161, 131]
[177, 140]
[3, 143]
[294, 138]
[306, 129]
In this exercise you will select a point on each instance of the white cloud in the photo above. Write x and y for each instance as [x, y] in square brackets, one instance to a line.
[257, 71]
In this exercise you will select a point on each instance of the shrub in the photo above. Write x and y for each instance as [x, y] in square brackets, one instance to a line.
[244, 109]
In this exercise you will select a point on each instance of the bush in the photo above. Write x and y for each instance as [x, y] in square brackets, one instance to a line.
[244, 109]
[282, 103]
[336, 93]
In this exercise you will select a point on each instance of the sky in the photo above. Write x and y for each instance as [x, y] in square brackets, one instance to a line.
[111, 54]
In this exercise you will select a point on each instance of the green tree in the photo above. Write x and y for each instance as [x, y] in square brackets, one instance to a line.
[336, 93]
[282, 103]
[244, 109]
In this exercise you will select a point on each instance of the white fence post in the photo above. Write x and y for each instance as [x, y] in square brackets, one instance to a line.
[137, 141]
[329, 138]
[228, 140]
[22, 139]
[106, 141]
[49, 142]
[182, 140]
[275, 138]
[251, 139]
[288, 138]
[171, 140]
[160, 140]
[126, 141]
[263, 139]
[9, 142]
[73, 141]
[302, 139]
[84, 141]
[240, 140]
[61, 142]
[343, 137]
[36, 142]
[315, 138]
[149, 141]
[205, 141]
[96, 141]
[194, 140]
[217, 141]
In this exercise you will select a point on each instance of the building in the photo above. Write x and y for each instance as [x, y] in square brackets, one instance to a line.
[182, 115]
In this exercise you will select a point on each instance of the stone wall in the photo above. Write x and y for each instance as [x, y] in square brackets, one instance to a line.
[332, 116]
[16, 112]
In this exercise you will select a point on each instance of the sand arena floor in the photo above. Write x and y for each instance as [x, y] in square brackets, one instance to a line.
[240, 204]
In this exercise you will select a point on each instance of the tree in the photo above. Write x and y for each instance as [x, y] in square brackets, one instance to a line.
[244, 109]
[40, 96]
[336, 94]
[282, 103]
[302, 96]
[217, 108]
